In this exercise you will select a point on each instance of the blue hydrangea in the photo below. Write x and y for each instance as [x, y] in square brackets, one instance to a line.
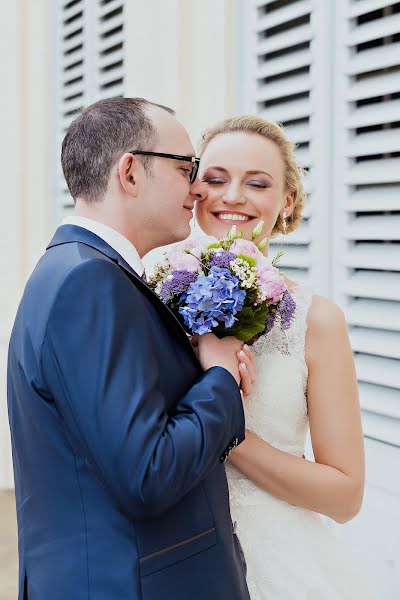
[211, 300]
[179, 283]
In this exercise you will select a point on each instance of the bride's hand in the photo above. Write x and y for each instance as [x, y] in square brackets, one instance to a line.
[246, 370]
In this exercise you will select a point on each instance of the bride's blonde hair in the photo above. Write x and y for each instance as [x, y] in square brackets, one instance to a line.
[274, 132]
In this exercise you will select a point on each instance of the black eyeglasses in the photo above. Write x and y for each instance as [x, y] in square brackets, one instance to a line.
[192, 159]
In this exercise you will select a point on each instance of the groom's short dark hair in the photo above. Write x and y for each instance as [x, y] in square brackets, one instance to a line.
[101, 134]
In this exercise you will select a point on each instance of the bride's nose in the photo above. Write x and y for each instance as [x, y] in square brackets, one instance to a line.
[198, 190]
[233, 195]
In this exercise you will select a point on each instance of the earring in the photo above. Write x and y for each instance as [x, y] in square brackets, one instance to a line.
[284, 224]
[194, 223]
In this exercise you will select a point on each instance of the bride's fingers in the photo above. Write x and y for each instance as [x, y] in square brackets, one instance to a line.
[245, 383]
[249, 353]
[244, 358]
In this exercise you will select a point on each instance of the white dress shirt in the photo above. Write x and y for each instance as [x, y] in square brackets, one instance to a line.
[114, 239]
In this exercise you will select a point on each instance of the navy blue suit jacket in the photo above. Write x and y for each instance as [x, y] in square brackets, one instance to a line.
[117, 437]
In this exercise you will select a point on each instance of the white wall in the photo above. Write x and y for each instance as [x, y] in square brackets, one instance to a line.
[182, 57]
[25, 158]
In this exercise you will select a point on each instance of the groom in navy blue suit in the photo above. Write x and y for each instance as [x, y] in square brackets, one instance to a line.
[119, 429]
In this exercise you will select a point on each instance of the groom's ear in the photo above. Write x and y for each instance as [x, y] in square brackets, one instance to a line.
[129, 172]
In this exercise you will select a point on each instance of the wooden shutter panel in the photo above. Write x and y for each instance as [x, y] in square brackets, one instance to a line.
[89, 66]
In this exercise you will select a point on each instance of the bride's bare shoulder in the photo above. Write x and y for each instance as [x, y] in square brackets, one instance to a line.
[324, 313]
[326, 325]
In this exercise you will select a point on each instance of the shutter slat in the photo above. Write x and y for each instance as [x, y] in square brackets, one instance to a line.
[374, 30]
[374, 284]
[378, 85]
[374, 256]
[106, 43]
[299, 133]
[301, 236]
[288, 86]
[380, 399]
[383, 227]
[381, 57]
[69, 45]
[283, 64]
[282, 41]
[73, 73]
[70, 59]
[374, 114]
[295, 256]
[109, 59]
[73, 28]
[288, 111]
[374, 313]
[357, 9]
[280, 16]
[381, 428]
[374, 198]
[378, 370]
[376, 142]
[374, 171]
[72, 11]
[376, 342]
[304, 157]
[105, 9]
[110, 24]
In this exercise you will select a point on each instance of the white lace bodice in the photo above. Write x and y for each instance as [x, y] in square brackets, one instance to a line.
[277, 408]
[291, 553]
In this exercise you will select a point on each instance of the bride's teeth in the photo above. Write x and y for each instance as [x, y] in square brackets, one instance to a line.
[230, 217]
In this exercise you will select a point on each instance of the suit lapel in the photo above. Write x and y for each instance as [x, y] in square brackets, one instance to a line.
[67, 234]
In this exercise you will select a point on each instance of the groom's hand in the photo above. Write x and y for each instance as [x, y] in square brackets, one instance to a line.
[215, 352]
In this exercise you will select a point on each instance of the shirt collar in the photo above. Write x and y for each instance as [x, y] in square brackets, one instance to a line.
[113, 238]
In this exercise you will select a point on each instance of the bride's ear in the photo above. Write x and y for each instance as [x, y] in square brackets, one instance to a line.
[129, 173]
[289, 204]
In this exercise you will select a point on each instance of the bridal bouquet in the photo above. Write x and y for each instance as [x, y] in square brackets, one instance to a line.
[227, 286]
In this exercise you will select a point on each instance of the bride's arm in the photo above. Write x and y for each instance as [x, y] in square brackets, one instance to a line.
[333, 485]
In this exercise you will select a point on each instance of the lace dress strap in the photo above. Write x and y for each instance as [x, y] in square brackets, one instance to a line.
[290, 342]
[296, 334]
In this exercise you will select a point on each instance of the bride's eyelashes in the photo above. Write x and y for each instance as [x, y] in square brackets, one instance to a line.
[261, 185]
[213, 181]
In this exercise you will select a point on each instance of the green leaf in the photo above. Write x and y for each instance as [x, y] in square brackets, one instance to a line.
[277, 258]
[251, 321]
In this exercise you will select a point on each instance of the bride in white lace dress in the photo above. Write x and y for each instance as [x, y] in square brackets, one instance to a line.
[305, 380]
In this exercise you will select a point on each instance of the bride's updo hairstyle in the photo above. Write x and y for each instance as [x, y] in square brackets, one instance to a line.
[274, 132]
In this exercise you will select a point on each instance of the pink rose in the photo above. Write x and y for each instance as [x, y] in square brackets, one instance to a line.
[271, 283]
[180, 260]
[246, 248]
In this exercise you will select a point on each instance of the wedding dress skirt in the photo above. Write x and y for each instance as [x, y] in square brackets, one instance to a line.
[291, 552]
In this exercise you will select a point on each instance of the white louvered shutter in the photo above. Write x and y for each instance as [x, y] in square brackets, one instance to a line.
[290, 49]
[368, 203]
[89, 66]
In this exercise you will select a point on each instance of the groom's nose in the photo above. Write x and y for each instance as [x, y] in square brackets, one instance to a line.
[198, 190]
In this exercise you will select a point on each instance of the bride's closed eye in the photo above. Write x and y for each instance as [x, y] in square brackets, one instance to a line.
[262, 185]
[213, 181]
